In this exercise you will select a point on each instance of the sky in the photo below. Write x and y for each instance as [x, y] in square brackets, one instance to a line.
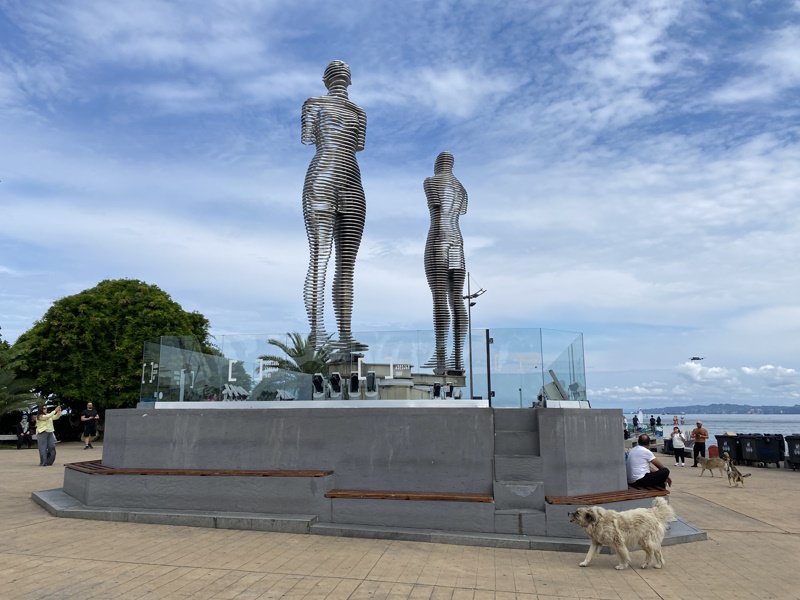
[632, 170]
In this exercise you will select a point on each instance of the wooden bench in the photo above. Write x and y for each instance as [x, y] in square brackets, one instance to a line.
[603, 497]
[96, 467]
[402, 495]
[12, 437]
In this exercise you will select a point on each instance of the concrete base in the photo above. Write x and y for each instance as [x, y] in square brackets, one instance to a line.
[59, 504]
[422, 514]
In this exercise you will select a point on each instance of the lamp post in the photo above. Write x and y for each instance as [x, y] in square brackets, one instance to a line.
[469, 298]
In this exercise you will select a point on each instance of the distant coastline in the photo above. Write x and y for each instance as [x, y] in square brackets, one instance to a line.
[724, 409]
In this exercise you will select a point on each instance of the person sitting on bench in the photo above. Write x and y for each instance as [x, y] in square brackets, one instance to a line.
[640, 464]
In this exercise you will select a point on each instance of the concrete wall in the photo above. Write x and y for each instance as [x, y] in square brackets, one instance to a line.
[395, 449]
[582, 451]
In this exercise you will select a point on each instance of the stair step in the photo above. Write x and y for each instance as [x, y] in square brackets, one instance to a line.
[518, 495]
[517, 468]
[525, 443]
[520, 521]
[515, 419]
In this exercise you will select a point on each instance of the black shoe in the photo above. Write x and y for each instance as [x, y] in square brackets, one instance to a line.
[86, 447]
[694, 466]
[90, 446]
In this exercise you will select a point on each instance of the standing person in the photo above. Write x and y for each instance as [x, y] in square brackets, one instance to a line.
[658, 421]
[675, 420]
[24, 433]
[89, 418]
[635, 423]
[699, 435]
[46, 435]
[653, 424]
[639, 467]
[678, 445]
[625, 422]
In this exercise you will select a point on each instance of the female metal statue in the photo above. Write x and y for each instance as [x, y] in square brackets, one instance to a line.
[444, 262]
[333, 201]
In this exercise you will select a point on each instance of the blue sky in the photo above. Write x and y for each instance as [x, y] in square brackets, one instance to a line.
[631, 167]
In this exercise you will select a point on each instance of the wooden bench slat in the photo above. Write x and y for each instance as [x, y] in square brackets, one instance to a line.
[95, 467]
[603, 497]
[403, 495]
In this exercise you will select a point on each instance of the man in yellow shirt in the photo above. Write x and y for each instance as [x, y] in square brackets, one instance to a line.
[46, 436]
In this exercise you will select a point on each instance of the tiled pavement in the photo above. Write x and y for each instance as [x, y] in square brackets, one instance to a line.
[752, 551]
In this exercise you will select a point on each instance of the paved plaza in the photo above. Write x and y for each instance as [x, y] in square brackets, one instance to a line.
[752, 551]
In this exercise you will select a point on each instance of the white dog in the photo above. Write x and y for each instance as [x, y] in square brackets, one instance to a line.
[644, 527]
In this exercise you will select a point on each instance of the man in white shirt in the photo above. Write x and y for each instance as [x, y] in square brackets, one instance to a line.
[640, 464]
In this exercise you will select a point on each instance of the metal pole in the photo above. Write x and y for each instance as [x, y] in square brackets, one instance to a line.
[469, 334]
[488, 368]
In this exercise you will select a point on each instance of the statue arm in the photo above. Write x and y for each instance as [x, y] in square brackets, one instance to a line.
[362, 130]
[430, 193]
[307, 122]
[463, 209]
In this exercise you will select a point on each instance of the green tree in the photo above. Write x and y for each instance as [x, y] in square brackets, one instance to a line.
[300, 356]
[15, 393]
[88, 347]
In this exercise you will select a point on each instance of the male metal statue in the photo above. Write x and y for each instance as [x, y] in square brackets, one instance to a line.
[444, 262]
[334, 206]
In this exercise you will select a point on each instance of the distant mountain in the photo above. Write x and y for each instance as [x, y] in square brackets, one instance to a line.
[725, 409]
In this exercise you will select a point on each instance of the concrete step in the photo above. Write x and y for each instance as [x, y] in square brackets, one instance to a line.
[520, 521]
[515, 419]
[425, 514]
[517, 468]
[525, 443]
[519, 495]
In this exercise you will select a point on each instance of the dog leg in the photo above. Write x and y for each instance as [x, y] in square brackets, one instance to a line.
[593, 549]
[648, 553]
[624, 557]
[659, 558]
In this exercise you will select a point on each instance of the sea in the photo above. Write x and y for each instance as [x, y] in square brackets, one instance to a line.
[719, 424]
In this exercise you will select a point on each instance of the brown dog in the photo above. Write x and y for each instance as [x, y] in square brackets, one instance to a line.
[712, 463]
[644, 527]
[734, 476]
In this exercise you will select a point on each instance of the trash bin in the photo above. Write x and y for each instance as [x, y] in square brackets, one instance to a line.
[770, 448]
[731, 445]
[793, 442]
[668, 449]
[748, 446]
[713, 452]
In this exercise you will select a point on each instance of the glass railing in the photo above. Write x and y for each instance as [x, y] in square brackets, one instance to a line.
[509, 367]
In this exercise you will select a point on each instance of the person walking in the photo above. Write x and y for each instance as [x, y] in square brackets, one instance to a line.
[678, 446]
[24, 433]
[699, 435]
[644, 469]
[46, 435]
[89, 418]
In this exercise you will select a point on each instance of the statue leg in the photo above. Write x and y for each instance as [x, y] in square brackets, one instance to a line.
[436, 272]
[456, 279]
[319, 227]
[347, 236]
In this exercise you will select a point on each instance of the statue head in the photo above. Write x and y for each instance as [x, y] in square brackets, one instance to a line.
[337, 72]
[444, 163]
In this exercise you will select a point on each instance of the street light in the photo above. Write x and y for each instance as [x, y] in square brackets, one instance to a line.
[470, 297]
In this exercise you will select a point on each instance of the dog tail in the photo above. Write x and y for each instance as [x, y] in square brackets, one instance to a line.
[663, 511]
[746, 475]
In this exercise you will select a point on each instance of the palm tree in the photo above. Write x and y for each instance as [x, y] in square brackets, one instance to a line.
[302, 356]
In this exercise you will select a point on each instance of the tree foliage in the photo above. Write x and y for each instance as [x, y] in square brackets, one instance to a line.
[301, 356]
[15, 393]
[88, 347]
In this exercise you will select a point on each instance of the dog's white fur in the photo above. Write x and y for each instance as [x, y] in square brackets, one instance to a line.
[644, 527]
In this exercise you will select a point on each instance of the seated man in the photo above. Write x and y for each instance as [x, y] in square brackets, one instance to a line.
[640, 464]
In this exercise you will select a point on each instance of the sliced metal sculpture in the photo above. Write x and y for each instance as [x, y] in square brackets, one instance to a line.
[444, 263]
[334, 206]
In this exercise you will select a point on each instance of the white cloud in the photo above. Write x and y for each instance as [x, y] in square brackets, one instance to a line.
[717, 377]
[775, 377]
[774, 65]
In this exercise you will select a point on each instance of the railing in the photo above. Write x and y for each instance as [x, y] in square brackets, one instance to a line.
[509, 367]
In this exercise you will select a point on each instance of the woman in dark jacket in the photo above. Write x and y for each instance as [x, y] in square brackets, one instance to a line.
[24, 432]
